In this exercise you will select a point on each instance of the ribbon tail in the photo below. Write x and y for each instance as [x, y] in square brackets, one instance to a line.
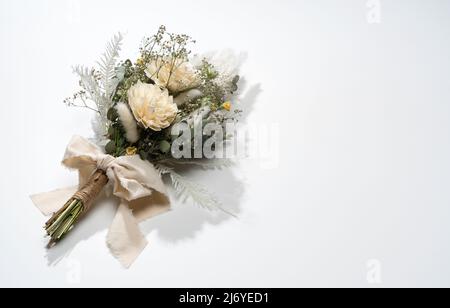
[50, 202]
[125, 240]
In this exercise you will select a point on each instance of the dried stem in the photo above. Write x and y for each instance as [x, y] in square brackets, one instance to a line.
[63, 221]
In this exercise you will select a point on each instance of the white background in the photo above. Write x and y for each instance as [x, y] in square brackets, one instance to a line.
[359, 188]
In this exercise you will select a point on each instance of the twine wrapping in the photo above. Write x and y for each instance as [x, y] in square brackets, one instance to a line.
[92, 189]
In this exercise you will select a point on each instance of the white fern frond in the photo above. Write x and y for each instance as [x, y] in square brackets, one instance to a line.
[188, 190]
[90, 84]
[100, 129]
[107, 65]
[98, 87]
[163, 170]
[206, 164]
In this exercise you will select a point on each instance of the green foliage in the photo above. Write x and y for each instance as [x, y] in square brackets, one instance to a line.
[155, 146]
[116, 134]
[207, 72]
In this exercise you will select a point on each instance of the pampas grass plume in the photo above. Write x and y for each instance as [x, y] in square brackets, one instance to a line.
[128, 122]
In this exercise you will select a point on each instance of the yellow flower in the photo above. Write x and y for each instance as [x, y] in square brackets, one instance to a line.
[227, 106]
[140, 61]
[131, 151]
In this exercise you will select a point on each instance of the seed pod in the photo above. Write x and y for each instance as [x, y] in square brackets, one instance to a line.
[164, 146]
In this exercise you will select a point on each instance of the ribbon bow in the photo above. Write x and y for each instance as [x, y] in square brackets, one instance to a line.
[135, 182]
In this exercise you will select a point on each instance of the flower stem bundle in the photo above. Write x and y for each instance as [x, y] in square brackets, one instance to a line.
[63, 221]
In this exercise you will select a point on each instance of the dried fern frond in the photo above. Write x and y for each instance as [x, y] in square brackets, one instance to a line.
[89, 84]
[98, 87]
[206, 164]
[107, 65]
[188, 190]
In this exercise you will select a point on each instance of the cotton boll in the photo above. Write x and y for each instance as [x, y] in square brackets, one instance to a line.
[187, 96]
[128, 122]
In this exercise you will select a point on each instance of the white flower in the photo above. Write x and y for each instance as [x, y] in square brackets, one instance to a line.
[152, 107]
[177, 77]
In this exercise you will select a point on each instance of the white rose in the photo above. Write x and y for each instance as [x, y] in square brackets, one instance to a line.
[151, 106]
[183, 76]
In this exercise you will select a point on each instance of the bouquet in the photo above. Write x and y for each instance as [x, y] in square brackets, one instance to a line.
[165, 109]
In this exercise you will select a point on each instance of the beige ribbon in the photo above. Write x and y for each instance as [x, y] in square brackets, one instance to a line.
[136, 182]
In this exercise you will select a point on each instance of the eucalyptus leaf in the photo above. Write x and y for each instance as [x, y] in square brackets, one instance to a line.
[164, 146]
[110, 148]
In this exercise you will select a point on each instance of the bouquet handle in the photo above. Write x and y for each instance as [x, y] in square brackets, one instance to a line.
[62, 221]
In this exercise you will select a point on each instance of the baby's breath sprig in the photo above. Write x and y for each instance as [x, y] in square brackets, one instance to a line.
[165, 48]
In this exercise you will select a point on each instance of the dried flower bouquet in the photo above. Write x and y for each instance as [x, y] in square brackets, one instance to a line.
[165, 109]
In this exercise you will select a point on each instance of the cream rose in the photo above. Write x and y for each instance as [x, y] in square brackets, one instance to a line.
[151, 106]
[182, 78]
